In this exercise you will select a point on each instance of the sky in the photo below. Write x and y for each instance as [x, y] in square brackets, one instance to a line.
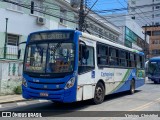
[108, 5]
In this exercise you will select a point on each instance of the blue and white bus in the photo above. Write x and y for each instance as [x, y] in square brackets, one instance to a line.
[154, 69]
[69, 65]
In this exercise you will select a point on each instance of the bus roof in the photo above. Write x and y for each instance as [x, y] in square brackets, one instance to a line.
[155, 58]
[85, 35]
[95, 38]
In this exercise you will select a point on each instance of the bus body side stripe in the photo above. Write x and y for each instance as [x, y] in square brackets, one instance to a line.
[125, 78]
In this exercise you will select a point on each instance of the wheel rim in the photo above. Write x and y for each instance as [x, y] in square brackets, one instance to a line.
[99, 94]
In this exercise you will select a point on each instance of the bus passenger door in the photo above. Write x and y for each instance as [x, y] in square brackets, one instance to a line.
[86, 72]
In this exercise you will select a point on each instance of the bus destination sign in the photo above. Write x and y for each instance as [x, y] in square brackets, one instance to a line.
[51, 36]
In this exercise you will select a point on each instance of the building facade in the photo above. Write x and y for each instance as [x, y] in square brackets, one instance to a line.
[145, 13]
[24, 17]
[154, 46]
[18, 18]
[132, 34]
[99, 26]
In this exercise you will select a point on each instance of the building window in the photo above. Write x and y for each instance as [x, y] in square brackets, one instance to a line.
[12, 40]
[14, 6]
[156, 33]
[149, 33]
[157, 7]
[156, 23]
[155, 42]
[156, 51]
[152, 15]
[63, 14]
[157, 15]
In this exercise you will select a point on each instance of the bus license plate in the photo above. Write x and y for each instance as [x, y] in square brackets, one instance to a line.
[44, 94]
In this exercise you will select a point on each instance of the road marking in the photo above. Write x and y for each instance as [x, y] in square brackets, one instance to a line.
[156, 101]
[105, 118]
[21, 103]
[145, 105]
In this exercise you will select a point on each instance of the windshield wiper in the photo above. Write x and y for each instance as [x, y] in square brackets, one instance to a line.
[57, 46]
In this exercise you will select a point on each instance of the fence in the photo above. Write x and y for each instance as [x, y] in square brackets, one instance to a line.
[11, 53]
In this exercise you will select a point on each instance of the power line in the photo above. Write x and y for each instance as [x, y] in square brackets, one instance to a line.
[82, 15]
[40, 11]
[124, 8]
[109, 17]
[91, 6]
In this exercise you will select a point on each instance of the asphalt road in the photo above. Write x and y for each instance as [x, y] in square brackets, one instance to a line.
[146, 98]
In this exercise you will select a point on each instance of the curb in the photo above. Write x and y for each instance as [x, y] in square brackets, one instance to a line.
[14, 101]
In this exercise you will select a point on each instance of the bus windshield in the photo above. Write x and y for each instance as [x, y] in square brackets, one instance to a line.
[154, 68]
[55, 57]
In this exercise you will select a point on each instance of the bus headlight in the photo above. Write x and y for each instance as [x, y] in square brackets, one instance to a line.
[24, 82]
[70, 83]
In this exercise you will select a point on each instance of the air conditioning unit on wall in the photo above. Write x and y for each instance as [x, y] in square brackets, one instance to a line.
[41, 20]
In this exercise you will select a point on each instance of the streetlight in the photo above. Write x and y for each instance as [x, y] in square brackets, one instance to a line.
[5, 44]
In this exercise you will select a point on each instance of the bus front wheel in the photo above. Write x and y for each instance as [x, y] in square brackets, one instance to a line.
[99, 93]
[132, 87]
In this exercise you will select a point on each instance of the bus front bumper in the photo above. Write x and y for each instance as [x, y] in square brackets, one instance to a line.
[66, 96]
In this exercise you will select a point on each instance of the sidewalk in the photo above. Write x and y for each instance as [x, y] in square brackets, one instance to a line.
[11, 98]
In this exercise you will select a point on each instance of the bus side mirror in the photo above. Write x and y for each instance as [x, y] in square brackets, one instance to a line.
[19, 53]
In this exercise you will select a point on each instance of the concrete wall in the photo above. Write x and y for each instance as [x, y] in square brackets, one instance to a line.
[10, 76]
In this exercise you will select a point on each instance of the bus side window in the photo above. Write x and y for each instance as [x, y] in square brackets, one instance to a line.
[122, 56]
[102, 54]
[113, 57]
[138, 61]
[132, 62]
[141, 62]
[127, 58]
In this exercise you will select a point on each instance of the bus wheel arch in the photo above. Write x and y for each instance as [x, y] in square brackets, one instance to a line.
[99, 93]
[132, 86]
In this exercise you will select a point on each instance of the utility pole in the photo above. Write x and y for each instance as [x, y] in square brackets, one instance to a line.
[81, 16]
[145, 38]
[145, 47]
[5, 44]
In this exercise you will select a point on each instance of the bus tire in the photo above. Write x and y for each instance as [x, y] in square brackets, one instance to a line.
[99, 93]
[56, 103]
[132, 87]
[155, 82]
